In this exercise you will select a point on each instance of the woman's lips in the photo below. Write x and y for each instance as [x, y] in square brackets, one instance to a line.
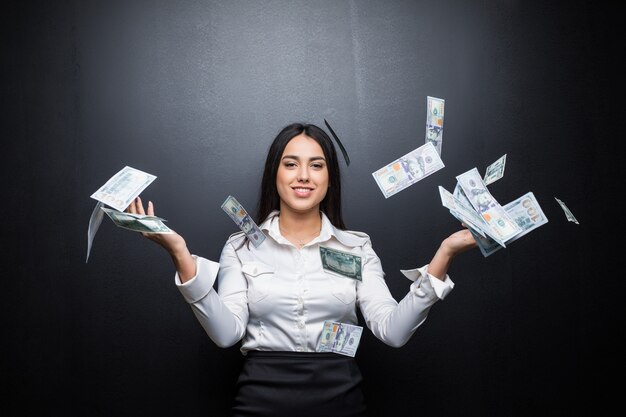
[302, 192]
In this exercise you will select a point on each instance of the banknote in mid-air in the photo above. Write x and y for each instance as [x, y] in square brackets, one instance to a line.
[463, 212]
[94, 223]
[497, 219]
[122, 188]
[495, 171]
[566, 210]
[340, 262]
[526, 212]
[340, 338]
[137, 222]
[434, 121]
[242, 219]
[408, 169]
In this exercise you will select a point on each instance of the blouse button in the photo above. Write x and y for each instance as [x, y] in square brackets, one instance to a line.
[300, 324]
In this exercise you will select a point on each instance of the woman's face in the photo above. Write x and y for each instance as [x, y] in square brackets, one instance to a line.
[302, 177]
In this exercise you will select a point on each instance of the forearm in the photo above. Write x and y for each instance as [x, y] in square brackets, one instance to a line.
[184, 263]
[438, 266]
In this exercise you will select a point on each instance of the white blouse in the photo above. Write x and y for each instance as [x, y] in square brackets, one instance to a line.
[276, 297]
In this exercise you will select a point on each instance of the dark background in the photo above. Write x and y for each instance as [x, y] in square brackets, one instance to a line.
[194, 91]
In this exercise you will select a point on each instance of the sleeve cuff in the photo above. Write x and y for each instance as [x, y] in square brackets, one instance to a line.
[421, 287]
[202, 283]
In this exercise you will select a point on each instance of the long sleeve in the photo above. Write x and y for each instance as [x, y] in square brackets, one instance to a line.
[223, 316]
[390, 321]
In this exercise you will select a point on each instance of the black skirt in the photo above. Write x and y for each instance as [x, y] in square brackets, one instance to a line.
[277, 384]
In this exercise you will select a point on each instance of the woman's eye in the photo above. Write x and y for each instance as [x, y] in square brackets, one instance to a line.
[318, 166]
[290, 164]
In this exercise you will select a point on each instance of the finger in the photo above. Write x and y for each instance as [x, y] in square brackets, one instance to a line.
[150, 208]
[131, 207]
[140, 209]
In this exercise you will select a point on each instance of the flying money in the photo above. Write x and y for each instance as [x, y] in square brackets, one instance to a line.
[434, 121]
[122, 188]
[242, 219]
[408, 169]
[495, 171]
[526, 212]
[487, 206]
[568, 213]
[94, 224]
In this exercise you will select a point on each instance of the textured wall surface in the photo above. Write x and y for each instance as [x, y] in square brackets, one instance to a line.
[194, 91]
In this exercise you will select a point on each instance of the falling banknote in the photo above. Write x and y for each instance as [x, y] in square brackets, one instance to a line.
[118, 192]
[408, 169]
[434, 121]
[568, 213]
[495, 171]
[497, 219]
[528, 215]
[242, 219]
[122, 188]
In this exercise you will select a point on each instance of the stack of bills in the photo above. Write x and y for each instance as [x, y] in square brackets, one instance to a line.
[492, 225]
[118, 192]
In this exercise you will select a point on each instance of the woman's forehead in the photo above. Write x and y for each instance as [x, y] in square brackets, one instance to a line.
[303, 145]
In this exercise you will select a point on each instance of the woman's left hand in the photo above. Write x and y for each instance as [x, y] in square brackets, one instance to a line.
[459, 242]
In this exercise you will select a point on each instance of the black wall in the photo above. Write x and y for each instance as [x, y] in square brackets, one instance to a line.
[194, 91]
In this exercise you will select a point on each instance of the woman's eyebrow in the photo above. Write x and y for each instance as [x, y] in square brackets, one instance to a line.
[297, 158]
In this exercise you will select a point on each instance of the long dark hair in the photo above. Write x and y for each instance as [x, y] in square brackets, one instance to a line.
[269, 199]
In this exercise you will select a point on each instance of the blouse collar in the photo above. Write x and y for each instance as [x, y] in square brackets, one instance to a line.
[328, 231]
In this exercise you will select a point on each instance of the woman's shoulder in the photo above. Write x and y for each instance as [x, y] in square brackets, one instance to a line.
[352, 238]
[236, 239]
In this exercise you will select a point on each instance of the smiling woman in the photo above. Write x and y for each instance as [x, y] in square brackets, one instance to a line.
[276, 298]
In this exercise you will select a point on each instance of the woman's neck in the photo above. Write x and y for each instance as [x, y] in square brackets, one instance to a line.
[301, 227]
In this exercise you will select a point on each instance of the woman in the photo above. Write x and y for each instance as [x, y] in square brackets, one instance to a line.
[275, 298]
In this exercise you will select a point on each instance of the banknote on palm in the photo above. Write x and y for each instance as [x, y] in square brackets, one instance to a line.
[526, 212]
[137, 222]
[497, 219]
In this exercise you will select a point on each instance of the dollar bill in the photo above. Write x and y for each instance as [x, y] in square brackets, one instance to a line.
[342, 263]
[408, 169]
[137, 222]
[434, 121]
[94, 224]
[526, 212]
[120, 190]
[327, 338]
[340, 338]
[495, 171]
[465, 214]
[497, 219]
[568, 213]
[242, 219]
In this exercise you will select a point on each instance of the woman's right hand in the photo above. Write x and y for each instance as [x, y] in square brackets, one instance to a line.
[171, 242]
